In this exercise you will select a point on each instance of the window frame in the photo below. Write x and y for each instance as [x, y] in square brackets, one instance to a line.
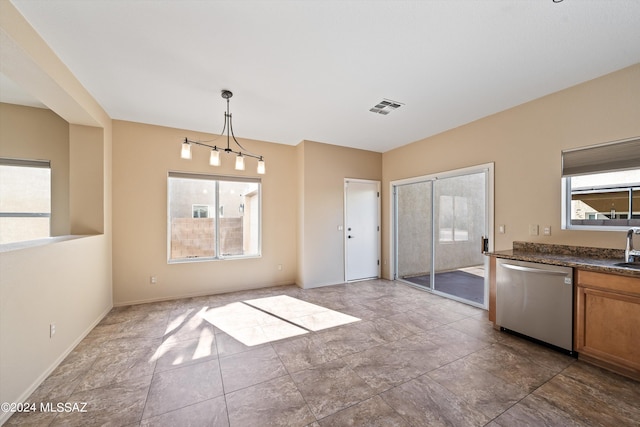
[566, 208]
[595, 159]
[34, 164]
[214, 212]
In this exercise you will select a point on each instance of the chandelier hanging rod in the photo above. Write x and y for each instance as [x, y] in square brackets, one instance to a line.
[226, 150]
[214, 160]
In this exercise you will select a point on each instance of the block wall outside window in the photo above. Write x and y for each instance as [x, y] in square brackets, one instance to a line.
[188, 238]
[213, 217]
[195, 237]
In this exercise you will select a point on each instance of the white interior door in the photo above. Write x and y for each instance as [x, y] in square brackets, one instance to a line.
[362, 229]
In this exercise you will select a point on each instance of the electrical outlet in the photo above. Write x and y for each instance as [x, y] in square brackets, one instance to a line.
[546, 230]
[153, 280]
[533, 230]
[52, 330]
[501, 229]
[279, 267]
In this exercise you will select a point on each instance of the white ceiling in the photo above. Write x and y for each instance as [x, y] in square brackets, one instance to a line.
[11, 93]
[311, 70]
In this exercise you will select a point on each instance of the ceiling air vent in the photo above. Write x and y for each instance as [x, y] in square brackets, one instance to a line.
[386, 106]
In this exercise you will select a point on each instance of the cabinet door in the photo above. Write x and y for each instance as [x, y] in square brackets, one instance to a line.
[608, 327]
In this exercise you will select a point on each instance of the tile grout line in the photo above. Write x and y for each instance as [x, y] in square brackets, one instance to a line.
[527, 395]
[276, 316]
[224, 393]
[153, 375]
[296, 385]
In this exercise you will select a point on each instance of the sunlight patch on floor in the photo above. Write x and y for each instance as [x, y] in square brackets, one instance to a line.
[259, 321]
[249, 325]
[309, 316]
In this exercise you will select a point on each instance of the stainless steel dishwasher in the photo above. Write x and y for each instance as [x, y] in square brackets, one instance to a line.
[536, 300]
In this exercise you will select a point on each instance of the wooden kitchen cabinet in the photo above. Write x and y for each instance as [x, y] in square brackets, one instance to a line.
[607, 321]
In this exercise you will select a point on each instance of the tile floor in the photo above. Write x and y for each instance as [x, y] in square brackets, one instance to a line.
[414, 359]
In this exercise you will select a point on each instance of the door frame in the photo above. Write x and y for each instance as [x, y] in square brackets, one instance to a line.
[344, 233]
[489, 167]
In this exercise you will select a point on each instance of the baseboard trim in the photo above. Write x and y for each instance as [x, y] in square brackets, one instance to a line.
[200, 294]
[4, 416]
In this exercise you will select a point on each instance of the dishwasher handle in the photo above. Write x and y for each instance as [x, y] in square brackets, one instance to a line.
[533, 270]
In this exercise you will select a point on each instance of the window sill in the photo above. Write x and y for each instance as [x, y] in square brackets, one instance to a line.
[596, 228]
[209, 259]
[16, 246]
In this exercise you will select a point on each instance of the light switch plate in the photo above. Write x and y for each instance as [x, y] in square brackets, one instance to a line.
[533, 230]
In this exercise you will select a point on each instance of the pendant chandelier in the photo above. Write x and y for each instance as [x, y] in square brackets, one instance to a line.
[214, 157]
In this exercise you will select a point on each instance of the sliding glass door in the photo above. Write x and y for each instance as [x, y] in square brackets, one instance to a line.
[414, 241]
[460, 224]
[440, 222]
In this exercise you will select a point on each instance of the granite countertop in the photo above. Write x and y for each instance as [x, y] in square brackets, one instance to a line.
[585, 258]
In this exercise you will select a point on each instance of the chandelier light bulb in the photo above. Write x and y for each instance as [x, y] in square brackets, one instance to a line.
[261, 167]
[185, 153]
[240, 162]
[214, 159]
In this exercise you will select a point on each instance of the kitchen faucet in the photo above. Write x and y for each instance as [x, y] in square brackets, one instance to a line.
[630, 254]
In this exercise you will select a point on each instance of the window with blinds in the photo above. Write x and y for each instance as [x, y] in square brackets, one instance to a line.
[25, 200]
[601, 186]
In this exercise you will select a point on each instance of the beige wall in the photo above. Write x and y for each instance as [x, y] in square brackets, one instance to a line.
[87, 206]
[63, 282]
[525, 143]
[143, 155]
[70, 282]
[66, 282]
[40, 134]
[323, 168]
[300, 212]
[302, 206]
